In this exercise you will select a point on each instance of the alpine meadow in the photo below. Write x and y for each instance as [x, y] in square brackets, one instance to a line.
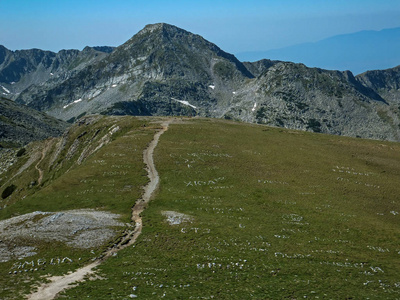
[167, 168]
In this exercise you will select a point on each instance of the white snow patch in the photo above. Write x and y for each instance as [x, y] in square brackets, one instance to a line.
[7, 91]
[211, 86]
[114, 85]
[51, 74]
[184, 102]
[254, 107]
[234, 93]
[76, 101]
[13, 82]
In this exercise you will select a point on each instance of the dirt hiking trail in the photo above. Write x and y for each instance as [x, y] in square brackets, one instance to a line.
[59, 283]
[48, 145]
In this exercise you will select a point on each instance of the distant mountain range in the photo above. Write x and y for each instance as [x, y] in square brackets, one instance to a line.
[357, 52]
[165, 70]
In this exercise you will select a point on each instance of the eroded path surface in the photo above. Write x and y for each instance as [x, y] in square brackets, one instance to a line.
[59, 283]
[48, 145]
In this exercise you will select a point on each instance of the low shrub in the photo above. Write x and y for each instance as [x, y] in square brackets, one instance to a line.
[8, 191]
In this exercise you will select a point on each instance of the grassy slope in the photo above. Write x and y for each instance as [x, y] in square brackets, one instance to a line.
[276, 213]
[111, 179]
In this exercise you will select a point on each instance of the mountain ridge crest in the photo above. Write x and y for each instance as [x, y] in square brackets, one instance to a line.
[166, 70]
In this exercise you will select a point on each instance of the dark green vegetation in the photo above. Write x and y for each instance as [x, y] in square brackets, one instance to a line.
[8, 191]
[269, 213]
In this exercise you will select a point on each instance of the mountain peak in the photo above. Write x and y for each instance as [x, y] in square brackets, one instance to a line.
[159, 27]
[166, 70]
[177, 51]
[157, 31]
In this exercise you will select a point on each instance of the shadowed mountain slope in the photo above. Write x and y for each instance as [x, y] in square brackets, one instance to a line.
[20, 125]
[385, 82]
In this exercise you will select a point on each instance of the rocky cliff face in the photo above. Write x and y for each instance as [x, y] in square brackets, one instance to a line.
[165, 70]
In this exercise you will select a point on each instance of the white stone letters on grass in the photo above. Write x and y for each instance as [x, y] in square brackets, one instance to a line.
[348, 174]
[272, 182]
[204, 182]
[378, 249]
[350, 171]
[195, 230]
[292, 256]
[34, 265]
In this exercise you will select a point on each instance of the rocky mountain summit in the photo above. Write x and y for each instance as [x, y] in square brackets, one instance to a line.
[165, 70]
[157, 72]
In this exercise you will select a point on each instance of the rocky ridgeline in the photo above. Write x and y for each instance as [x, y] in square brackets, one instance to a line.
[23, 68]
[165, 70]
[295, 96]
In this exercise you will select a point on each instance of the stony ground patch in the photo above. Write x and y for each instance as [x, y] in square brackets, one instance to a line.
[76, 228]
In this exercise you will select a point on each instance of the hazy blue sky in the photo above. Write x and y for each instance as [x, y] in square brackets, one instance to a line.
[233, 25]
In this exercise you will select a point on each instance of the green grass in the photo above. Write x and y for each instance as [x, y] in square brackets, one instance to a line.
[271, 219]
[110, 179]
[275, 213]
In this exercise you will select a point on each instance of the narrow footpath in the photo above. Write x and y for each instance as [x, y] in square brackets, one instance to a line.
[57, 284]
[43, 153]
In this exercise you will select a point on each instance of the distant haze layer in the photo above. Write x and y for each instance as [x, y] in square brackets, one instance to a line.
[357, 52]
